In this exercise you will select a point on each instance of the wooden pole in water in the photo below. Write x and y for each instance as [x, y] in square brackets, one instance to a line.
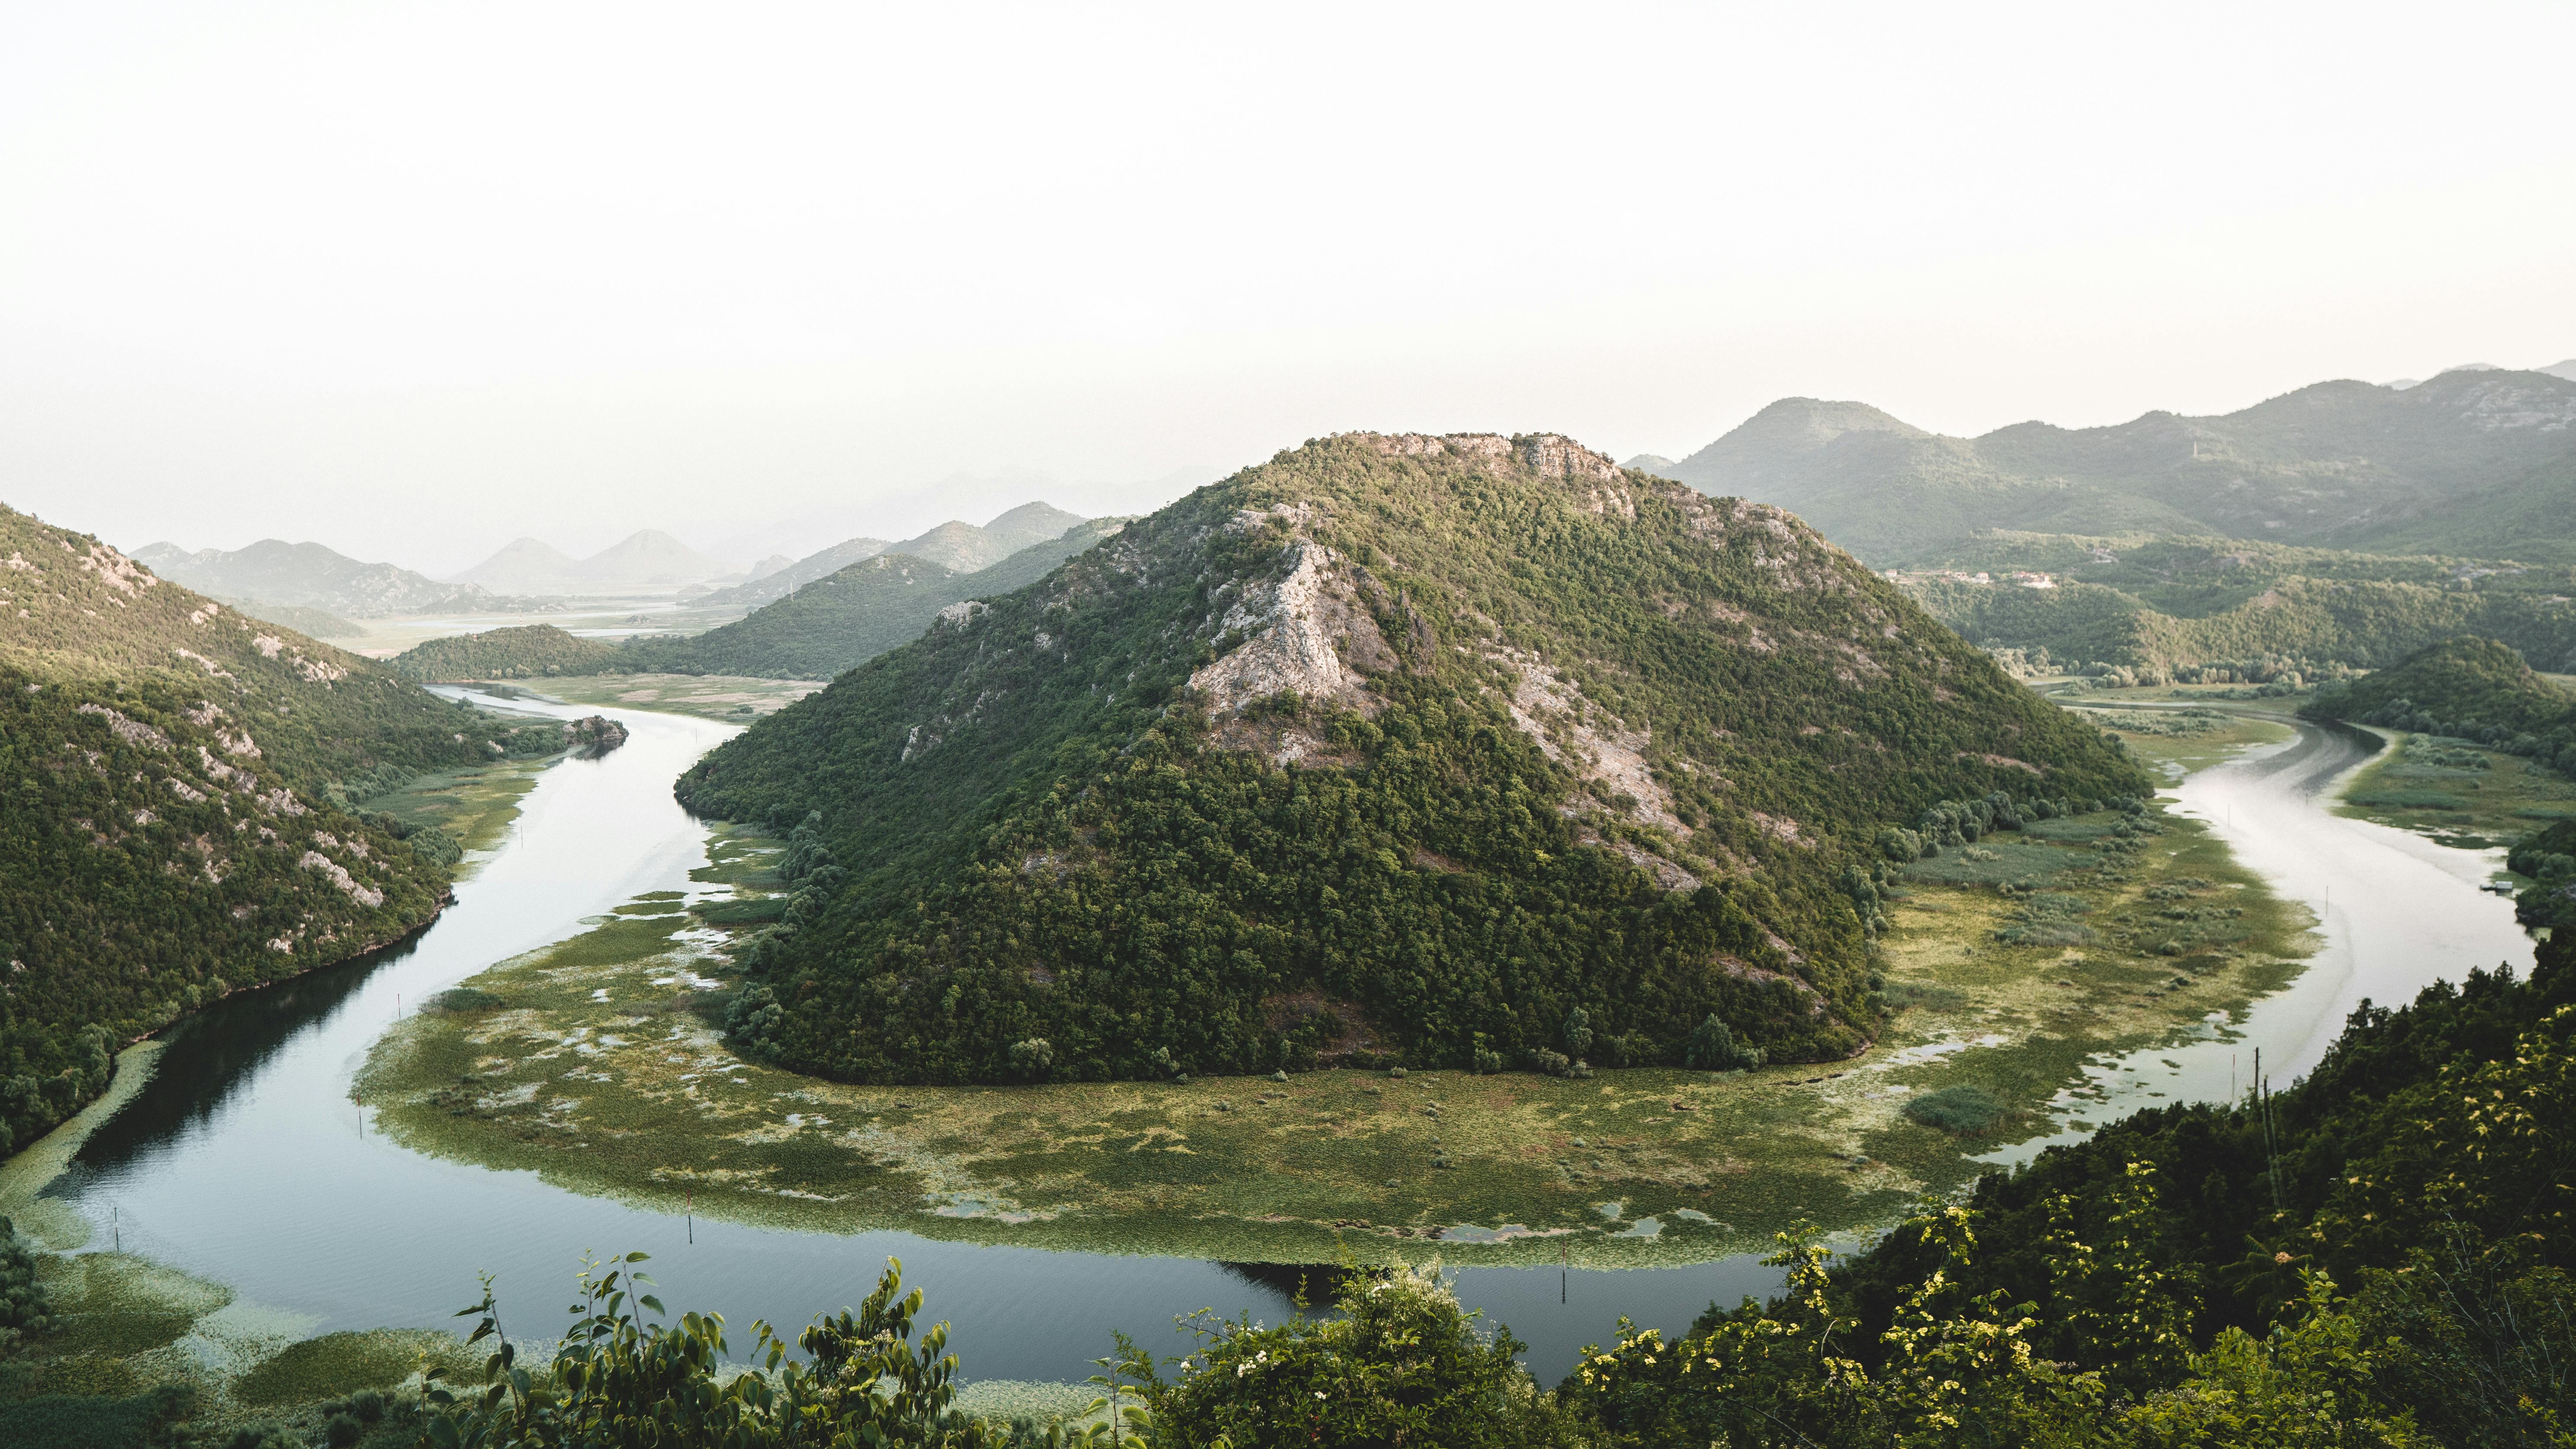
[116, 1224]
[689, 1206]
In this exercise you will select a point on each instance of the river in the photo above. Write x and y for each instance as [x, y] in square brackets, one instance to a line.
[2396, 911]
[244, 1160]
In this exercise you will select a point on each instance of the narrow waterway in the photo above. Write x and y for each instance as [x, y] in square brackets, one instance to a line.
[244, 1160]
[2396, 913]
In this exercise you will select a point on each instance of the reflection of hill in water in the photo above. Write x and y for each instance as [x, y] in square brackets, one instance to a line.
[210, 1054]
[1315, 1281]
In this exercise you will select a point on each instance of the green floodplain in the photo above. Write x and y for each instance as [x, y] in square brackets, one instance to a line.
[599, 1064]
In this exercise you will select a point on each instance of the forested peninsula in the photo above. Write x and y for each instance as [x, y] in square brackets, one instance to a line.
[1470, 751]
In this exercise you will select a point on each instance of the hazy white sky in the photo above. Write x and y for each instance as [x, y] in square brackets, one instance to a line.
[413, 279]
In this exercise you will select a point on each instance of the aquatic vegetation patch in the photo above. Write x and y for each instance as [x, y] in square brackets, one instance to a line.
[338, 1364]
[1963, 1111]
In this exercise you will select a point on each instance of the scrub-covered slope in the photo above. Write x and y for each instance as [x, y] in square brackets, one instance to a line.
[1469, 750]
[173, 774]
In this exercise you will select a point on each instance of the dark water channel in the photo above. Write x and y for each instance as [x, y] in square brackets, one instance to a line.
[245, 1162]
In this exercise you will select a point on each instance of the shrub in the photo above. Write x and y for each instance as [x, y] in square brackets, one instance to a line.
[1032, 1058]
[460, 999]
[1961, 1111]
[1713, 1048]
[1401, 1364]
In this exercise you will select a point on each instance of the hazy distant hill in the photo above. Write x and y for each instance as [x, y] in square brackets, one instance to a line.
[2342, 464]
[958, 547]
[273, 571]
[646, 560]
[825, 627]
[1655, 463]
[1474, 750]
[855, 613]
[780, 582]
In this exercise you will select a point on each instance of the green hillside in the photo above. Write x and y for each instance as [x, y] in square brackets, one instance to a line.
[1471, 751]
[176, 827]
[835, 622]
[2531, 517]
[528, 651]
[2175, 604]
[2345, 464]
[2469, 688]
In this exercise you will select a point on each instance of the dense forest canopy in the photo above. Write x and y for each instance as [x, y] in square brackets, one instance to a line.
[2171, 605]
[1476, 751]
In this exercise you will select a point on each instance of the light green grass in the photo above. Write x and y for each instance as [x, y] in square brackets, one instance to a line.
[476, 804]
[2465, 807]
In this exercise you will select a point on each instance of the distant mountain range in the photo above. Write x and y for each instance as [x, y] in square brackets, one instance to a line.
[863, 609]
[309, 576]
[2475, 460]
[954, 546]
[887, 597]
[646, 560]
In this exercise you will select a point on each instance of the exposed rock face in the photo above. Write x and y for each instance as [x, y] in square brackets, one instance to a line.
[1308, 632]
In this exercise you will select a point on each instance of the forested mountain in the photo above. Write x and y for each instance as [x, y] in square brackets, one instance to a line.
[309, 575]
[177, 827]
[779, 583]
[2173, 604]
[2344, 464]
[1468, 750]
[528, 651]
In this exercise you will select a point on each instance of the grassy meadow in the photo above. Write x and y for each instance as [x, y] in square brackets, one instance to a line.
[2457, 793]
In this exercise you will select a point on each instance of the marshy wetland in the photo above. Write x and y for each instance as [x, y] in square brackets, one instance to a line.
[287, 1196]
